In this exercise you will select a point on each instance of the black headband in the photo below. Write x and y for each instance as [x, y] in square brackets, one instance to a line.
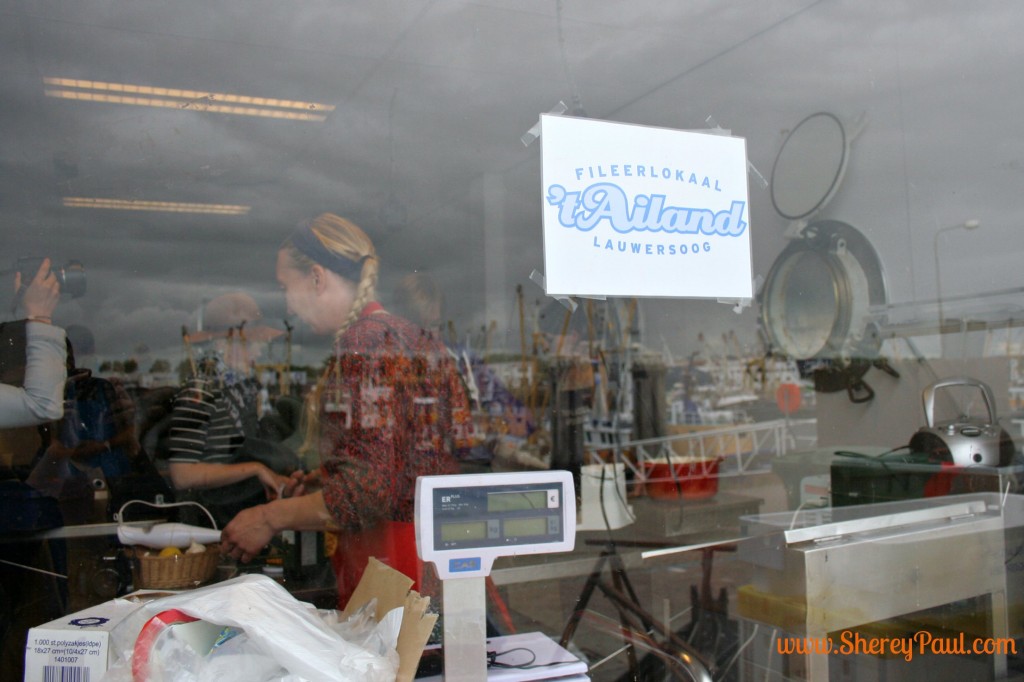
[309, 244]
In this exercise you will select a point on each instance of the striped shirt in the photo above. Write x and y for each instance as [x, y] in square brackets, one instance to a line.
[211, 418]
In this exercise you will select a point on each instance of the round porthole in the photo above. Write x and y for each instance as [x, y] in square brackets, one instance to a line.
[802, 303]
[810, 166]
[816, 298]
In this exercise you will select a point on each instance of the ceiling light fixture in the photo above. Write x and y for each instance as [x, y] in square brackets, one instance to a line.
[189, 100]
[164, 206]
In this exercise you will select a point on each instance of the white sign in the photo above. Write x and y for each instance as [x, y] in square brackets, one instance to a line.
[638, 211]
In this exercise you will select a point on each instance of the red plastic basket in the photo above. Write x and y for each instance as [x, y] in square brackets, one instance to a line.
[690, 478]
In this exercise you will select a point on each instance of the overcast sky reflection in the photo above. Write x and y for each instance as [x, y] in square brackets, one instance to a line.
[422, 148]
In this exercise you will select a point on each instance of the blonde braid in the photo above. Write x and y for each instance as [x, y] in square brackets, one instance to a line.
[366, 291]
[346, 239]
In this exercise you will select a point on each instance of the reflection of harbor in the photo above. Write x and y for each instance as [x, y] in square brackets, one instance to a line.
[585, 388]
[652, 425]
[720, 418]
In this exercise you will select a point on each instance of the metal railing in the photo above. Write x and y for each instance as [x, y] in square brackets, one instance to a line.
[739, 447]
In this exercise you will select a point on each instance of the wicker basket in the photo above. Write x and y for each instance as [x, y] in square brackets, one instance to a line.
[151, 571]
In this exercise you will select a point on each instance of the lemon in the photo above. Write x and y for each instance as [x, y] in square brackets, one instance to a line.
[170, 551]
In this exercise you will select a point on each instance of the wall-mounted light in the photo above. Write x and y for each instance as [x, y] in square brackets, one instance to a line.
[163, 206]
[187, 100]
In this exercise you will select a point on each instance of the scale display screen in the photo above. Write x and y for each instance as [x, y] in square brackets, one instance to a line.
[488, 516]
[463, 522]
[516, 501]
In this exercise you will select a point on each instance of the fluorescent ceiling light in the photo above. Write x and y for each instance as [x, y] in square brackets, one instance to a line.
[165, 206]
[189, 100]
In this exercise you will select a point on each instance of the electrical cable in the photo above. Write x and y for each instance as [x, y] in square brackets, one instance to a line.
[735, 656]
[493, 662]
[31, 568]
[604, 512]
[771, 650]
[618, 494]
[872, 458]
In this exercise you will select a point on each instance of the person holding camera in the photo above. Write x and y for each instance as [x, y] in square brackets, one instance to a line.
[41, 397]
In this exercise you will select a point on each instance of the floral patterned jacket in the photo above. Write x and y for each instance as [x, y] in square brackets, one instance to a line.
[392, 408]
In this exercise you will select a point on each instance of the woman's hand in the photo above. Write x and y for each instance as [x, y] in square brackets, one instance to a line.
[252, 529]
[41, 295]
[247, 534]
[305, 482]
[275, 484]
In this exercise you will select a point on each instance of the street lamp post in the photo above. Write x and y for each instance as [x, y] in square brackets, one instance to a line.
[968, 225]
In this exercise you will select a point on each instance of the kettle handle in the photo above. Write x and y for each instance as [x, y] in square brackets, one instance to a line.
[928, 397]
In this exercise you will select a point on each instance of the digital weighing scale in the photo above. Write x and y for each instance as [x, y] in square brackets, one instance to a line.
[463, 523]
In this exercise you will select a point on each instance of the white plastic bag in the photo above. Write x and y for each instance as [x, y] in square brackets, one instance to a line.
[276, 627]
[362, 629]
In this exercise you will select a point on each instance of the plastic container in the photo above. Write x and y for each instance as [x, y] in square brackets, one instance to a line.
[692, 478]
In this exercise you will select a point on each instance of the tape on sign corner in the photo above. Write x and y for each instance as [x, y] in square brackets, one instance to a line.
[537, 277]
[738, 304]
[567, 302]
[752, 169]
[716, 129]
[533, 133]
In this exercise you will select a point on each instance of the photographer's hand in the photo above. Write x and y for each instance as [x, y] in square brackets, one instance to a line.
[41, 296]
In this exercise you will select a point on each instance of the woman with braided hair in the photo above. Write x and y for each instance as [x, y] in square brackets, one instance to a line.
[388, 408]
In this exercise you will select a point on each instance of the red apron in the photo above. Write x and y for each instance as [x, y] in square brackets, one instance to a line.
[391, 542]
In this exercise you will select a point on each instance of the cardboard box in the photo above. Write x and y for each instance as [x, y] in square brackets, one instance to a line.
[391, 589]
[76, 646]
[80, 647]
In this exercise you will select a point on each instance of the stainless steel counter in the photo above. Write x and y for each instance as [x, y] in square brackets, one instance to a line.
[843, 567]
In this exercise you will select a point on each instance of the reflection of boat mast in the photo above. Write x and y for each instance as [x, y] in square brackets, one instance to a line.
[488, 332]
[705, 347]
[453, 337]
[753, 368]
[286, 376]
[187, 347]
[524, 381]
[631, 330]
[733, 344]
[242, 342]
[589, 309]
[612, 329]
[283, 370]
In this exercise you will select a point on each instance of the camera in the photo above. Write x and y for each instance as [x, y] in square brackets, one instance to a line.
[70, 276]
